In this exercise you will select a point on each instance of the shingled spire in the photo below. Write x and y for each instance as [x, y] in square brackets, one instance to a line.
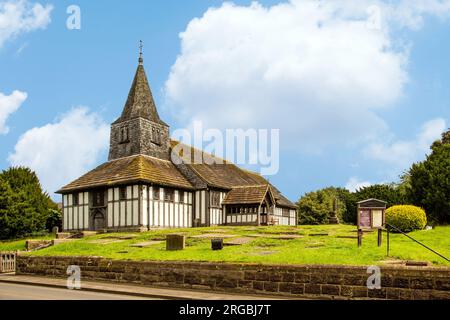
[140, 101]
[139, 130]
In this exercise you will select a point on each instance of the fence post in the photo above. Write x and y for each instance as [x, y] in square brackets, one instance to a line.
[387, 238]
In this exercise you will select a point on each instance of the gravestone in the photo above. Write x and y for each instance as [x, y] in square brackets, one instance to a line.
[216, 244]
[175, 242]
[334, 214]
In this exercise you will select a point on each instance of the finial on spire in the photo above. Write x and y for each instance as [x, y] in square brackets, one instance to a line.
[141, 45]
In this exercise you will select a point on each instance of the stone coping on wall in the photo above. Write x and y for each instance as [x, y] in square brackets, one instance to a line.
[319, 281]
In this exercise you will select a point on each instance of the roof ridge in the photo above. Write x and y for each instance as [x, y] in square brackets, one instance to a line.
[202, 151]
[252, 186]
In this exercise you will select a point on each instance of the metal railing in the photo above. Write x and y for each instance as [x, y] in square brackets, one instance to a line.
[7, 262]
[388, 227]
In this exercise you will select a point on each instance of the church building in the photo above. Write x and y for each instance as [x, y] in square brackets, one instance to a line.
[142, 186]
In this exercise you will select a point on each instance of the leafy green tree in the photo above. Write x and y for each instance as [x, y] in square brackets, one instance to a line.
[5, 204]
[316, 207]
[26, 207]
[430, 182]
[391, 193]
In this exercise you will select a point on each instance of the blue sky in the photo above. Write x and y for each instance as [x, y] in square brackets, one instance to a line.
[353, 106]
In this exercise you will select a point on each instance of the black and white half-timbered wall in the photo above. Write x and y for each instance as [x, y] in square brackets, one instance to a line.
[141, 187]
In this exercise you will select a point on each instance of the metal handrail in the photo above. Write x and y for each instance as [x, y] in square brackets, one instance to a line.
[423, 245]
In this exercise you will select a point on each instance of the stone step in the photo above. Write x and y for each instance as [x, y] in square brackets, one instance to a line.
[63, 235]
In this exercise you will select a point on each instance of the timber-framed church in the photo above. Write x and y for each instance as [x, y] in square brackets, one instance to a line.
[142, 187]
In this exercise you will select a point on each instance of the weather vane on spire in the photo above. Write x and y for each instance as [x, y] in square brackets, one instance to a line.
[141, 45]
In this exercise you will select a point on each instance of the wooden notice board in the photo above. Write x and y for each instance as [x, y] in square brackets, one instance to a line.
[364, 219]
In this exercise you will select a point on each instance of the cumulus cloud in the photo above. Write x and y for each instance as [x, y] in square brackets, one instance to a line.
[63, 150]
[8, 105]
[21, 16]
[354, 183]
[317, 70]
[401, 154]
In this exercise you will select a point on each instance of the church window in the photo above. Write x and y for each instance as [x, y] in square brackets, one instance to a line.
[156, 136]
[122, 193]
[76, 199]
[98, 198]
[156, 193]
[168, 195]
[124, 137]
[215, 199]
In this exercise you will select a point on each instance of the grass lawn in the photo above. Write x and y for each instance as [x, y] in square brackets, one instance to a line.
[264, 246]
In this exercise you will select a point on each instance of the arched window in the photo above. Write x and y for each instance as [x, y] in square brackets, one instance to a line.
[124, 135]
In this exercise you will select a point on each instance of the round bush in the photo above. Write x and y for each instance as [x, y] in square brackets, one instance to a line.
[406, 217]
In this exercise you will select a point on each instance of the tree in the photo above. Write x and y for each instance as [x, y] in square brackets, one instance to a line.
[430, 182]
[316, 207]
[391, 193]
[5, 203]
[26, 207]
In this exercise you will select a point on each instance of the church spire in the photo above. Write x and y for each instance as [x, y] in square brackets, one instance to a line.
[140, 101]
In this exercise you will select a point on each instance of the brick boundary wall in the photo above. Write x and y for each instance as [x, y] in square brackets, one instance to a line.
[318, 281]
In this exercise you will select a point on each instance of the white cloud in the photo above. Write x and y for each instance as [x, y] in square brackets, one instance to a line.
[411, 13]
[401, 154]
[8, 105]
[314, 69]
[354, 183]
[21, 16]
[62, 151]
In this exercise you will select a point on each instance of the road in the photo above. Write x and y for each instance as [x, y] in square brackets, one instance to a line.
[10, 291]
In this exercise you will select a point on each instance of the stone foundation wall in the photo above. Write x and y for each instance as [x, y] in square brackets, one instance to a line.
[318, 281]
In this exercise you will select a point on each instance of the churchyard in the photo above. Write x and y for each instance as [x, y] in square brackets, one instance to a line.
[321, 244]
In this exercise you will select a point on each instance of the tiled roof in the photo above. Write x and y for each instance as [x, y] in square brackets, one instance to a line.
[219, 173]
[131, 169]
[246, 195]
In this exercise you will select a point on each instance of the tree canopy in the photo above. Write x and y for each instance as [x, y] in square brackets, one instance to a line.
[24, 207]
[429, 182]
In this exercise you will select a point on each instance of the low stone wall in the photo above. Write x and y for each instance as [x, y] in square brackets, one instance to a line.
[319, 281]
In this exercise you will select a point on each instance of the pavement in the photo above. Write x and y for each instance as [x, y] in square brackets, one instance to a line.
[12, 291]
[11, 287]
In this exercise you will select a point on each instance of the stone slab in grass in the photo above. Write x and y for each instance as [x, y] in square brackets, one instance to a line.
[312, 245]
[60, 241]
[276, 236]
[238, 241]
[213, 235]
[218, 231]
[145, 244]
[31, 245]
[105, 241]
[89, 233]
[287, 237]
[263, 253]
[122, 237]
[347, 237]
[63, 235]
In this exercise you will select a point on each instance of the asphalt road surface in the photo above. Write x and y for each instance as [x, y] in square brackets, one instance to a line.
[10, 291]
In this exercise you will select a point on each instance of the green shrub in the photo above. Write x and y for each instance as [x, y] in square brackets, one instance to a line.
[406, 217]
